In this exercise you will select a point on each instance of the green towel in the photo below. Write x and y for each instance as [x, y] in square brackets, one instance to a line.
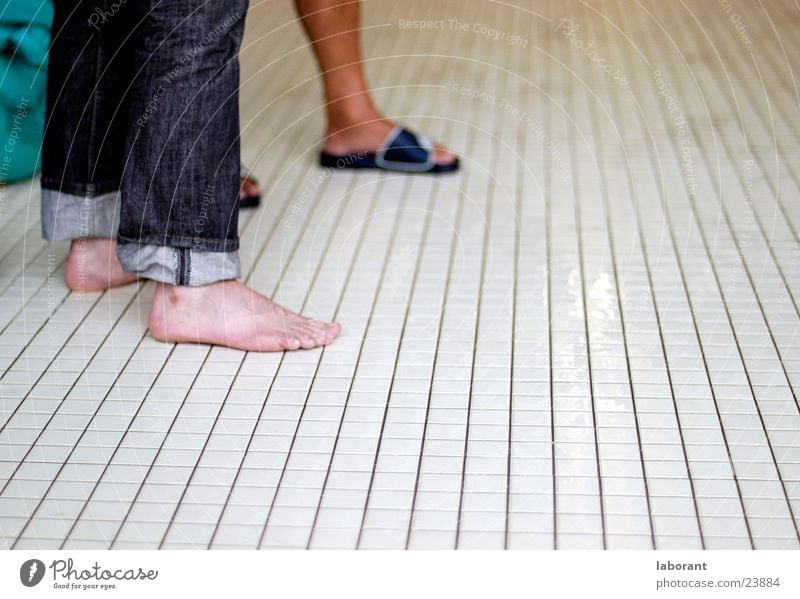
[24, 41]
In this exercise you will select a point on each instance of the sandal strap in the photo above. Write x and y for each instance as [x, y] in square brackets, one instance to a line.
[403, 150]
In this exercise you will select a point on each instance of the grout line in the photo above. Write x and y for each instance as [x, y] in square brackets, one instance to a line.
[657, 312]
[410, 299]
[598, 158]
[290, 449]
[522, 97]
[680, 265]
[319, 361]
[53, 359]
[547, 116]
[463, 191]
[487, 231]
[52, 417]
[738, 344]
[378, 290]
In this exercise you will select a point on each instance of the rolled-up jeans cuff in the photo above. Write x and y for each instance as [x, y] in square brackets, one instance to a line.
[179, 266]
[67, 216]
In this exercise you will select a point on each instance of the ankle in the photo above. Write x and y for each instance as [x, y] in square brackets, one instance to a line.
[166, 309]
[92, 265]
[168, 293]
[351, 112]
[173, 296]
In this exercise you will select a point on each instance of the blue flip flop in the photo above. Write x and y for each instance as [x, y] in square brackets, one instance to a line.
[402, 151]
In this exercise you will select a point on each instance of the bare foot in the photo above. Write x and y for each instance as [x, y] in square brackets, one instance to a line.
[92, 265]
[367, 136]
[231, 314]
[249, 188]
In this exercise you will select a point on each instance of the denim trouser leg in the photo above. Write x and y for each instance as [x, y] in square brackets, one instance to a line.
[142, 140]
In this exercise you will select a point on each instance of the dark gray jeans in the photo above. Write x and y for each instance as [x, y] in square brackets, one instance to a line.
[142, 135]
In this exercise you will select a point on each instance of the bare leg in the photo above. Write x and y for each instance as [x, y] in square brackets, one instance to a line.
[354, 122]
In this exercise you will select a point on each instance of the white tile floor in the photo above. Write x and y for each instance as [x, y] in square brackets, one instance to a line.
[586, 339]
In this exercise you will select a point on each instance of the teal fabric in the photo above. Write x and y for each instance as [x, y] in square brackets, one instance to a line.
[24, 40]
